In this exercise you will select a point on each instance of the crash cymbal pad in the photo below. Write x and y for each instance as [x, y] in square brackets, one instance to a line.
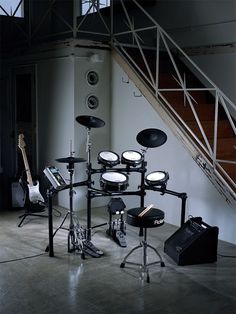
[90, 121]
[70, 160]
[151, 138]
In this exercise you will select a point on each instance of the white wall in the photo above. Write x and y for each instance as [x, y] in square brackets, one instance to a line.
[197, 23]
[55, 102]
[222, 69]
[132, 114]
[62, 90]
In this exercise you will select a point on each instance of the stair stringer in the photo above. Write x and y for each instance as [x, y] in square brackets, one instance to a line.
[202, 161]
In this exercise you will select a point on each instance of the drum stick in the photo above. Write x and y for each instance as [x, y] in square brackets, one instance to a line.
[145, 210]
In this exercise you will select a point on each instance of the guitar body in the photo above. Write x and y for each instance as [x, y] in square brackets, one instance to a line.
[34, 199]
[34, 193]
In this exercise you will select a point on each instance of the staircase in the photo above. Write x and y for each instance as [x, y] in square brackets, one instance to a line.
[191, 112]
[204, 106]
[198, 113]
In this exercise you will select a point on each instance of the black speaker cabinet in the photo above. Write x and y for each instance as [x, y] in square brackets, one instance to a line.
[194, 243]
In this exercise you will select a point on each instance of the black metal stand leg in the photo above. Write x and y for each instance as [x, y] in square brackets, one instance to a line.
[22, 220]
[183, 208]
[60, 227]
[122, 265]
[50, 224]
[89, 216]
[23, 216]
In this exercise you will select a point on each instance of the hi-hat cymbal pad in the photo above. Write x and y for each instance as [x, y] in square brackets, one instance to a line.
[151, 138]
[90, 121]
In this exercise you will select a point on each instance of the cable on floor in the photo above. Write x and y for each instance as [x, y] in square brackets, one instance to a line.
[230, 256]
[22, 258]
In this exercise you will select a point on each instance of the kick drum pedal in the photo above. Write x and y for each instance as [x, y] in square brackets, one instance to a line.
[116, 229]
[90, 249]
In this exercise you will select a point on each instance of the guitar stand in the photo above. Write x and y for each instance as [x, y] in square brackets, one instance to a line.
[28, 213]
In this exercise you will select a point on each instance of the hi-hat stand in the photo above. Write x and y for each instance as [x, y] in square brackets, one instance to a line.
[89, 122]
[75, 232]
[77, 238]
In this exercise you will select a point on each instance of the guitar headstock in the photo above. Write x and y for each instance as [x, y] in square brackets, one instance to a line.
[21, 142]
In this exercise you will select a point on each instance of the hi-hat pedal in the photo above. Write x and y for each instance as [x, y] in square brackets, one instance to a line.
[119, 237]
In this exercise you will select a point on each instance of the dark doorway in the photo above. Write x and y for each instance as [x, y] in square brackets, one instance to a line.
[25, 117]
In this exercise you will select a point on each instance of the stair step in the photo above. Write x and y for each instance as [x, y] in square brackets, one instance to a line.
[167, 81]
[171, 80]
[231, 170]
[226, 149]
[224, 129]
[179, 97]
[204, 111]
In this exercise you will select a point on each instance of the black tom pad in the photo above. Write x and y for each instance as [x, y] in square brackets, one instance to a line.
[151, 219]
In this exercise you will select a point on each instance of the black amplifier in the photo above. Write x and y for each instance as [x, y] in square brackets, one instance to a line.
[194, 243]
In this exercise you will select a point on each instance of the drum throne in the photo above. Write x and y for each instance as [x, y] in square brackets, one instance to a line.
[144, 218]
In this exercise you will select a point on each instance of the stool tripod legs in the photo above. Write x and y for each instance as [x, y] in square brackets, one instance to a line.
[143, 244]
[122, 265]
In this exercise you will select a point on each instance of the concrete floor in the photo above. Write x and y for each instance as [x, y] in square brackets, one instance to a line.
[32, 282]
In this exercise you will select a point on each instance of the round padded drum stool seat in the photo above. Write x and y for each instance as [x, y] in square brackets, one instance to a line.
[144, 218]
[153, 218]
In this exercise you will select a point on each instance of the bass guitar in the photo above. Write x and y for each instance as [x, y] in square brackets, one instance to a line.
[33, 186]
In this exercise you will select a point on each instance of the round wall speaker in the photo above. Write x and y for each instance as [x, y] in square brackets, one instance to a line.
[92, 102]
[92, 78]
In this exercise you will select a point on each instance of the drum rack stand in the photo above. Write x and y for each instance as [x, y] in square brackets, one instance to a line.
[92, 193]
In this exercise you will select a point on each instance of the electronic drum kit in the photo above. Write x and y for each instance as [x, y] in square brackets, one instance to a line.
[114, 180]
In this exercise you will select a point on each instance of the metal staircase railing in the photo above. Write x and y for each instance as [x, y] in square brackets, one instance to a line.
[133, 36]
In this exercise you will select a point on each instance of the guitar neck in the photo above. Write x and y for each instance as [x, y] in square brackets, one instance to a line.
[27, 168]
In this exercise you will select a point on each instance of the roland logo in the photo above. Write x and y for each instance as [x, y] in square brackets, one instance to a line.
[158, 221]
